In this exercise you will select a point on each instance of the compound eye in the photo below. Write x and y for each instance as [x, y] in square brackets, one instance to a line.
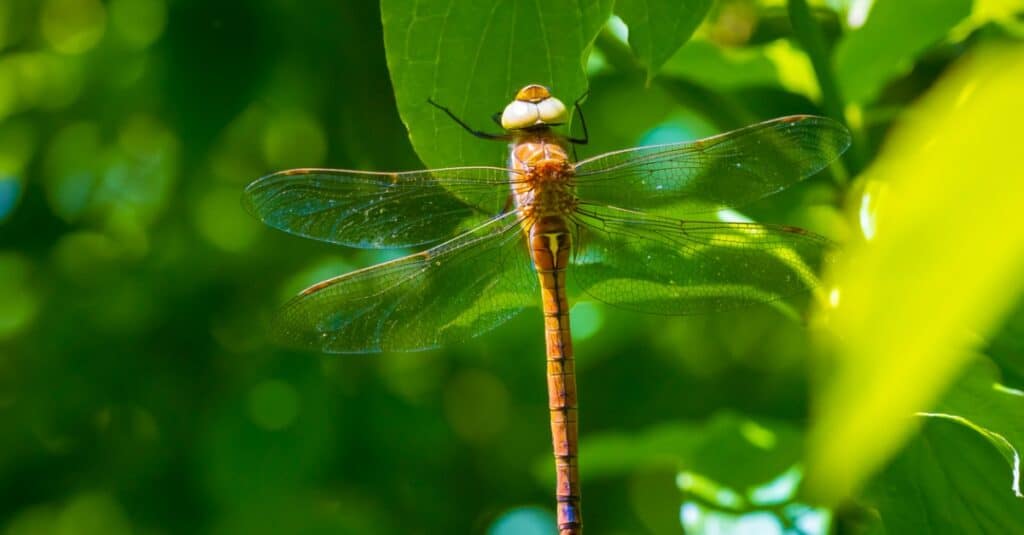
[519, 114]
[552, 111]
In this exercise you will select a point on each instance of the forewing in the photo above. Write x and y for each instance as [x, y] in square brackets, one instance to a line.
[726, 170]
[375, 210]
[665, 266]
[448, 293]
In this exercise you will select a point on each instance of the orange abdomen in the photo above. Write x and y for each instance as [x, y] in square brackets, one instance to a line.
[543, 191]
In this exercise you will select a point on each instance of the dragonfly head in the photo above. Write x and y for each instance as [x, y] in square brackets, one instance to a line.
[533, 106]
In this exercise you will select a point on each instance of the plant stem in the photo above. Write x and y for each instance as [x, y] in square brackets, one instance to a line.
[809, 35]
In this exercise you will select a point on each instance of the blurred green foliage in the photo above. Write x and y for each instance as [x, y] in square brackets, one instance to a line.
[139, 393]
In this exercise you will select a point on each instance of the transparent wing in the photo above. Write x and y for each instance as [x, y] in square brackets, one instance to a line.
[448, 293]
[373, 210]
[665, 266]
[726, 170]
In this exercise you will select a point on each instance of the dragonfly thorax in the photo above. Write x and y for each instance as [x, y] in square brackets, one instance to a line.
[542, 177]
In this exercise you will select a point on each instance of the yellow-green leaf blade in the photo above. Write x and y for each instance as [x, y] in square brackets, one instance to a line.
[943, 265]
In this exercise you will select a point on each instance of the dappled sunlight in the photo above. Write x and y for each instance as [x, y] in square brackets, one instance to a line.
[709, 509]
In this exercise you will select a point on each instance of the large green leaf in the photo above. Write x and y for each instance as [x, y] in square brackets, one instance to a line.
[657, 28]
[473, 56]
[1007, 348]
[948, 480]
[894, 35]
[993, 410]
[940, 267]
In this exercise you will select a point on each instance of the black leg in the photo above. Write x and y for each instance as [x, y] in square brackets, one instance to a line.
[478, 133]
[583, 122]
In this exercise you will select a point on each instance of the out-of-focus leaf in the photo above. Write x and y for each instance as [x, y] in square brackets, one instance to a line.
[1000, 12]
[774, 65]
[722, 68]
[894, 35]
[657, 28]
[914, 298]
[948, 480]
[731, 450]
[473, 56]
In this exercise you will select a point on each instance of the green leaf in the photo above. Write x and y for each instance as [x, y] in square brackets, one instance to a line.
[473, 56]
[980, 402]
[937, 272]
[947, 480]
[1007, 347]
[894, 35]
[657, 28]
[776, 65]
[723, 69]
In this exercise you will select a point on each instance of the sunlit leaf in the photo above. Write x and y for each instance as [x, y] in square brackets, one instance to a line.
[941, 268]
[657, 28]
[1007, 347]
[727, 69]
[978, 400]
[473, 56]
[948, 480]
[1000, 12]
[778, 64]
[894, 35]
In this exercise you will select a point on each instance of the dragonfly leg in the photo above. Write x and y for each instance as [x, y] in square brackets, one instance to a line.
[583, 123]
[478, 133]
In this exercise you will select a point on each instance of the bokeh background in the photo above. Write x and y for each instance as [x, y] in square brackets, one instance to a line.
[139, 394]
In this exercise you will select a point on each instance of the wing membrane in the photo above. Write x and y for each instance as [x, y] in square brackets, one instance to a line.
[448, 293]
[727, 170]
[373, 210]
[664, 266]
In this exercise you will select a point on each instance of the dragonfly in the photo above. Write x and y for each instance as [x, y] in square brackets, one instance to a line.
[634, 228]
